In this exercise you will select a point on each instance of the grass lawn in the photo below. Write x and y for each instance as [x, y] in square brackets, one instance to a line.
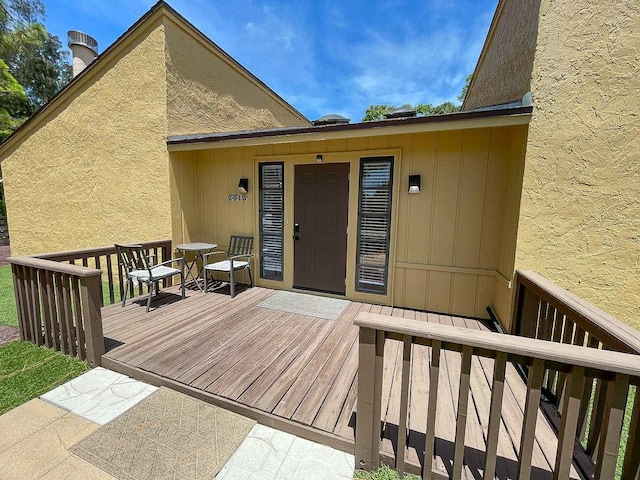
[8, 312]
[383, 473]
[28, 371]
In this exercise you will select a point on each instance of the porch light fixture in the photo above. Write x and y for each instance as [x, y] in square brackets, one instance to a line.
[243, 186]
[318, 158]
[414, 183]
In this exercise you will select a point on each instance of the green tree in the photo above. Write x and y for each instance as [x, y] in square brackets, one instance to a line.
[14, 104]
[378, 112]
[35, 57]
[465, 89]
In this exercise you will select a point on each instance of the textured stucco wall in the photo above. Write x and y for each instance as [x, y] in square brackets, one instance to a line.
[504, 70]
[206, 93]
[580, 212]
[95, 170]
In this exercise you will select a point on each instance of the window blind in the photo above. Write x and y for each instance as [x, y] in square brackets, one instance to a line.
[374, 224]
[271, 220]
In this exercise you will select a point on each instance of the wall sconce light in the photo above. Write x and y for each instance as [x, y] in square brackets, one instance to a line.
[243, 186]
[414, 183]
[318, 158]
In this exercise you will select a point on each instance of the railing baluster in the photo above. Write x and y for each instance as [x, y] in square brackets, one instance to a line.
[60, 317]
[597, 413]
[404, 404]
[532, 403]
[567, 338]
[461, 417]
[68, 315]
[34, 314]
[112, 297]
[21, 301]
[51, 304]
[612, 423]
[430, 437]
[631, 463]
[567, 436]
[495, 414]
[46, 312]
[79, 324]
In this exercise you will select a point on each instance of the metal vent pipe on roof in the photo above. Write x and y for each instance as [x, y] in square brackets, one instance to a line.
[402, 112]
[84, 48]
[331, 119]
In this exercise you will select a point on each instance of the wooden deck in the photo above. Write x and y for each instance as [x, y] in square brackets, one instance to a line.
[299, 374]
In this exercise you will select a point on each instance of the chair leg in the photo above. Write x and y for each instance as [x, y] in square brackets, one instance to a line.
[150, 286]
[250, 277]
[204, 272]
[232, 284]
[126, 289]
[182, 282]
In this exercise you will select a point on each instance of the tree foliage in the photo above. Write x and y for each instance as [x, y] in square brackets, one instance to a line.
[378, 112]
[465, 89]
[14, 104]
[32, 58]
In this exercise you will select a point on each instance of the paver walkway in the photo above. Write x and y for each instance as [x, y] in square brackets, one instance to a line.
[36, 437]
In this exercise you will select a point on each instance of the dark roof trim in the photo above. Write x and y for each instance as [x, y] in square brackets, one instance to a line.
[117, 42]
[274, 132]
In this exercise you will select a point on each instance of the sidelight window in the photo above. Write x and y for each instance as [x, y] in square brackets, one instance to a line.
[374, 224]
[271, 220]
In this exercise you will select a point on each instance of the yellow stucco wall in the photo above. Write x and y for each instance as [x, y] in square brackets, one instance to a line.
[503, 73]
[580, 206]
[452, 245]
[94, 170]
[207, 92]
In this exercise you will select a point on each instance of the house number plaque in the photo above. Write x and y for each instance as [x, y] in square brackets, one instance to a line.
[237, 198]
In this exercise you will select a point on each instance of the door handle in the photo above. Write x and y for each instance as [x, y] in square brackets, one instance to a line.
[296, 231]
[296, 237]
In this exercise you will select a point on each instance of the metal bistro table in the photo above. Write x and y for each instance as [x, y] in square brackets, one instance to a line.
[199, 249]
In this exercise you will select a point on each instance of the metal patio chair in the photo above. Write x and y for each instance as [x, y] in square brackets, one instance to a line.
[140, 268]
[240, 247]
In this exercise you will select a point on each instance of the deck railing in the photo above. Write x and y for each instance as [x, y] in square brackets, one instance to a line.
[593, 393]
[544, 311]
[58, 301]
[105, 259]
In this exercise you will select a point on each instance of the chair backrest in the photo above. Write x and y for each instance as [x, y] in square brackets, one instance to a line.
[240, 245]
[132, 257]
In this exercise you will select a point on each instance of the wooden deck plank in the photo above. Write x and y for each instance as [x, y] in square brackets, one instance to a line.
[234, 352]
[247, 369]
[303, 371]
[344, 330]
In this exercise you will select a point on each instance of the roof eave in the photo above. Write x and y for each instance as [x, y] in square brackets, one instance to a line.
[456, 121]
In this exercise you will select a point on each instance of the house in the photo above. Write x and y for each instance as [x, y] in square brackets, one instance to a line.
[147, 143]
[91, 167]
[579, 209]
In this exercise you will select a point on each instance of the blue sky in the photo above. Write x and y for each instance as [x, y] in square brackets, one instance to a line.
[321, 56]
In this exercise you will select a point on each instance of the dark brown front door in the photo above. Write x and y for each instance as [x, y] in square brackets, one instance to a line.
[320, 227]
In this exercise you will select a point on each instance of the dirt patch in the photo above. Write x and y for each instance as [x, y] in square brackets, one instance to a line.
[8, 334]
[5, 252]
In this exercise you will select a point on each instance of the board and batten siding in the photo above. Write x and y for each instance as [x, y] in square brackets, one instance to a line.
[452, 245]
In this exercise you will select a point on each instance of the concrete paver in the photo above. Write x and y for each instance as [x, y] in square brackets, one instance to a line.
[99, 395]
[268, 454]
[45, 449]
[36, 437]
[29, 418]
[74, 468]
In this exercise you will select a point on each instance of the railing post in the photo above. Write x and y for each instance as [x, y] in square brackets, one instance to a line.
[18, 287]
[90, 297]
[370, 364]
